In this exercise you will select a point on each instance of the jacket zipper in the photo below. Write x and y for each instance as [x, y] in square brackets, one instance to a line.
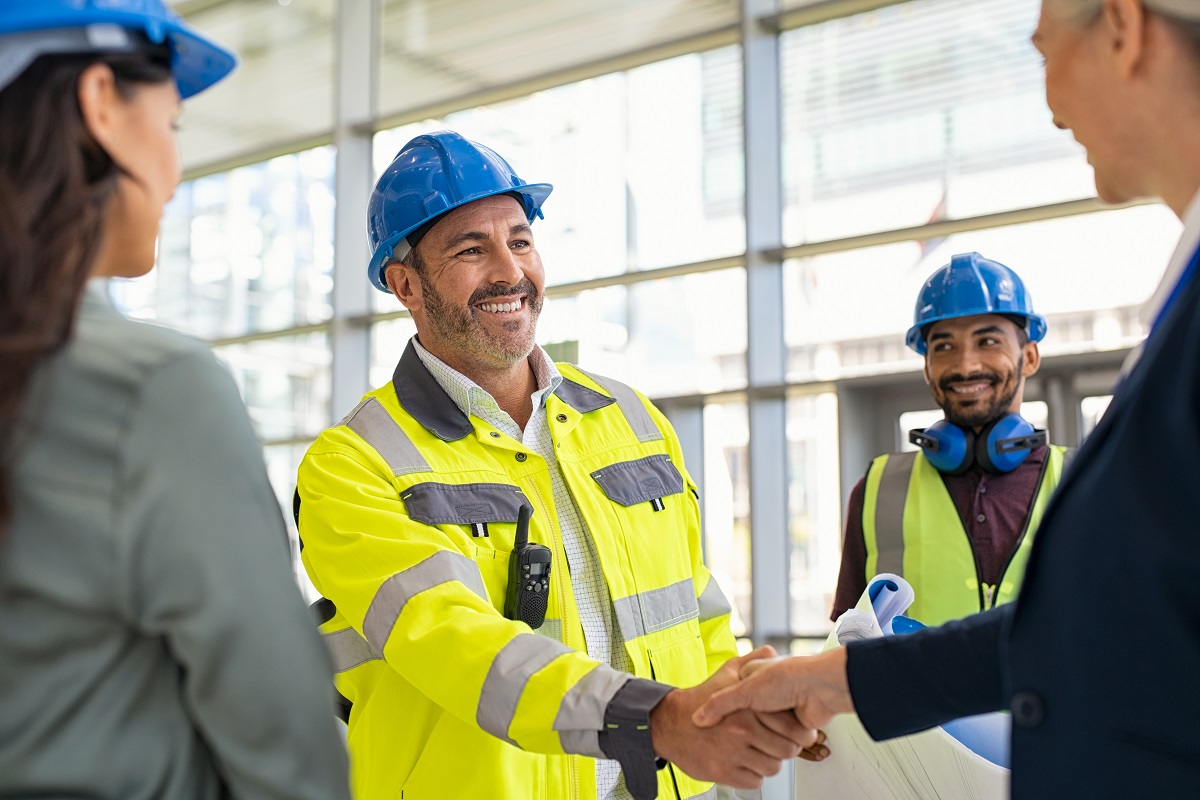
[1025, 532]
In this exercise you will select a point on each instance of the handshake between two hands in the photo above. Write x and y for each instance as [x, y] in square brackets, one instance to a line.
[752, 714]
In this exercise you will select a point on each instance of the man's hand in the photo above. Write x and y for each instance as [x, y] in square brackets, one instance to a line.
[814, 688]
[736, 751]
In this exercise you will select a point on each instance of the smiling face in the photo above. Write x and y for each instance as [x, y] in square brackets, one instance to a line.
[475, 288]
[976, 368]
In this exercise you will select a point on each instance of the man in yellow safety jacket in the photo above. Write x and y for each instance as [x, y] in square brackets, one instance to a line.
[508, 548]
[956, 518]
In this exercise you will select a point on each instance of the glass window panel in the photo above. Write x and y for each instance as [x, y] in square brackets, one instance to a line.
[282, 463]
[282, 89]
[388, 340]
[1093, 409]
[814, 510]
[726, 506]
[646, 164]
[917, 112]
[1088, 274]
[683, 335]
[434, 50]
[285, 383]
[244, 251]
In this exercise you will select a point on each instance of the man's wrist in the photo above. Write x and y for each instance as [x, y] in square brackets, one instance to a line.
[626, 735]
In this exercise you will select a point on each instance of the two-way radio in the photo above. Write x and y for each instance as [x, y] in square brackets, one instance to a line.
[528, 576]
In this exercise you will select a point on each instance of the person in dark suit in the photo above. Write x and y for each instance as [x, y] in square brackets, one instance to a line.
[1098, 658]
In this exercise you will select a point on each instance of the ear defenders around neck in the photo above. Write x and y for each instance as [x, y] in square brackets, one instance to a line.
[1001, 446]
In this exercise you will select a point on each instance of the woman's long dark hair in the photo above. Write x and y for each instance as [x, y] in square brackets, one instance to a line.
[56, 186]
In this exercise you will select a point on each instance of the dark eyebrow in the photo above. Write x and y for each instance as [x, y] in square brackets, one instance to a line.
[466, 236]
[522, 227]
[942, 335]
[988, 329]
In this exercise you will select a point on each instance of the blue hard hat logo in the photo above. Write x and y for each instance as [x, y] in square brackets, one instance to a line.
[968, 286]
[431, 175]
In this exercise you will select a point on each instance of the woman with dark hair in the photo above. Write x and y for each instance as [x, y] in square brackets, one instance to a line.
[153, 643]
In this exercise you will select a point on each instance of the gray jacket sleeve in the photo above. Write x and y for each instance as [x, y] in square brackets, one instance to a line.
[208, 571]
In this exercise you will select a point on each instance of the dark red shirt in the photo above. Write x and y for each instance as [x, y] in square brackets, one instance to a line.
[992, 507]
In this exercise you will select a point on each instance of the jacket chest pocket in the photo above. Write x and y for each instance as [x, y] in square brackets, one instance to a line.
[651, 480]
[648, 495]
[484, 513]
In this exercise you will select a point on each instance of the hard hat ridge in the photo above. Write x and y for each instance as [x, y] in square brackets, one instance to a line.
[971, 285]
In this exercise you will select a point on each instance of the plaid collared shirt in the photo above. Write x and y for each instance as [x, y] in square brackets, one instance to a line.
[600, 631]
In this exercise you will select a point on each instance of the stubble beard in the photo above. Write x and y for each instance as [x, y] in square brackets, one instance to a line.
[977, 416]
[458, 327]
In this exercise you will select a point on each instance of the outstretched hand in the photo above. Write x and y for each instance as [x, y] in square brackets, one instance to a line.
[737, 750]
[813, 688]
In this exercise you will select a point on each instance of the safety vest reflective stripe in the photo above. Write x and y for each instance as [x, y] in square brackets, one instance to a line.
[655, 610]
[348, 649]
[713, 602]
[581, 714]
[631, 406]
[511, 671]
[377, 428]
[889, 512]
[711, 794]
[396, 591]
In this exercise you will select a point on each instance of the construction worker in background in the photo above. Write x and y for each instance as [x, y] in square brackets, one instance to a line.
[509, 549]
[957, 518]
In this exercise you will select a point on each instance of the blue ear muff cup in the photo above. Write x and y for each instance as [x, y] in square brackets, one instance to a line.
[986, 445]
[955, 451]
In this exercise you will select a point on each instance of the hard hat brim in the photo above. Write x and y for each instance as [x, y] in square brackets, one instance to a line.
[536, 192]
[915, 338]
[196, 62]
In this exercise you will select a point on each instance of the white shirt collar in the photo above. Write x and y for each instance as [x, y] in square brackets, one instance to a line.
[473, 399]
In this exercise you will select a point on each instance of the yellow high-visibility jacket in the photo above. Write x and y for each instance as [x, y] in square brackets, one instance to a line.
[449, 698]
[912, 529]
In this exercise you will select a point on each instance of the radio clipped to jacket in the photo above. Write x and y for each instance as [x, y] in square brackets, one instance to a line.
[528, 576]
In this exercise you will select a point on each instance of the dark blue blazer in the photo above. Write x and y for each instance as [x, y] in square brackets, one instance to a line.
[1099, 659]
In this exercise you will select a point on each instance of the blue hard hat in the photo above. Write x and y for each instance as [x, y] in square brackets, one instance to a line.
[969, 285]
[32, 28]
[431, 175]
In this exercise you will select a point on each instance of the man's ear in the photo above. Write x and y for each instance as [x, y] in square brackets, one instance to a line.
[1124, 24]
[405, 285]
[925, 372]
[101, 105]
[1033, 360]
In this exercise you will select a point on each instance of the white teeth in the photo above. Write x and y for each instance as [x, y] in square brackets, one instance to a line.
[497, 308]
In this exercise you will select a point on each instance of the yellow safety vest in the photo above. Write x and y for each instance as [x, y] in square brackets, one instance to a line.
[911, 528]
[449, 698]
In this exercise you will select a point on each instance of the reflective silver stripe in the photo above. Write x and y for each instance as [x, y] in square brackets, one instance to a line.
[510, 673]
[1069, 457]
[713, 602]
[396, 591]
[712, 794]
[889, 512]
[636, 415]
[580, 716]
[347, 648]
[377, 428]
[647, 612]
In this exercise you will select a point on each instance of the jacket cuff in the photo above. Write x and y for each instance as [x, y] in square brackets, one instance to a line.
[626, 735]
